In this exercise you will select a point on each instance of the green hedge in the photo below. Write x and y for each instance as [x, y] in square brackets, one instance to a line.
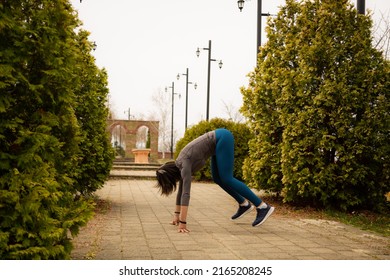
[54, 147]
[318, 103]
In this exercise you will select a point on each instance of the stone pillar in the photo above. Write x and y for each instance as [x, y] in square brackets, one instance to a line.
[141, 155]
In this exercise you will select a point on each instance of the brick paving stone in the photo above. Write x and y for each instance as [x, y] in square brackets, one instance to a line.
[136, 227]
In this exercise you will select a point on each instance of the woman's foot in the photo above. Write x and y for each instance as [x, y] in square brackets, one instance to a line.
[242, 210]
[262, 215]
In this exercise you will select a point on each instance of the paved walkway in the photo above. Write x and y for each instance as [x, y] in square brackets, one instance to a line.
[136, 227]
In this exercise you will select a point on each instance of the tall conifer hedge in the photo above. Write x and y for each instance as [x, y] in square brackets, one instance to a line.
[318, 103]
[44, 132]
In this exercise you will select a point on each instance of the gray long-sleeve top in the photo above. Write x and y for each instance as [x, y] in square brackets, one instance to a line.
[191, 159]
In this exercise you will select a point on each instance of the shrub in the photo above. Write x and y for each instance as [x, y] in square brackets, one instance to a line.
[318, 103]
[42, 138]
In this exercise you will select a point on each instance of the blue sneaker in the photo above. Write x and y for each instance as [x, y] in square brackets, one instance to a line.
[242, 210]
[262, 215]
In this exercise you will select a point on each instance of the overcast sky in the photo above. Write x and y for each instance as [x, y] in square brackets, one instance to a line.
[143, 45]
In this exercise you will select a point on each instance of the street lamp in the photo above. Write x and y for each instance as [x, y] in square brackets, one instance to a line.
[187, 83]
[361, 6]
[173, 100]
[259, 15]
[128, 114]
[208, 75]
[240, 4]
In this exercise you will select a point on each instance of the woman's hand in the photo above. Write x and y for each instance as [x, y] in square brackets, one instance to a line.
[183, 228]
[175, 220]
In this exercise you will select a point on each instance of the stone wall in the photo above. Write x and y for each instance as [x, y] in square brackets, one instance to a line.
[129, 130]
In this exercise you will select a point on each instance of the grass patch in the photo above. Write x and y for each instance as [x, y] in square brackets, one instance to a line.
[366, 220]
[101, 206]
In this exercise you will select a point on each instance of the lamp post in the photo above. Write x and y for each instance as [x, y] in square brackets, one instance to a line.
[173, 100]
[260, 14]
[187, 83]
[361, 6]
[128, 114]
[208, 75]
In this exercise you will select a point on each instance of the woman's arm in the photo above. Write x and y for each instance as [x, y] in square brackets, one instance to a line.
[183, 219]
[176, 215]
[185, 184]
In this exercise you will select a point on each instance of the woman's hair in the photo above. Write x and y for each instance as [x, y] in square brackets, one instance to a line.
[167, 177]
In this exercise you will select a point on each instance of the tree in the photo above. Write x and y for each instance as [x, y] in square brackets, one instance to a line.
[382, 35]
[162, 112]
[318, 103]
[43, 132]
[233, 113]
[96, 152]
[142, 137]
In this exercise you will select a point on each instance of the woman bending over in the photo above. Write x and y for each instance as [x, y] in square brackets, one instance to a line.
[219, 145]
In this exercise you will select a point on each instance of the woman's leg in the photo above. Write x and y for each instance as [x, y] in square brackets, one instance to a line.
[218, 181]
[224, 159]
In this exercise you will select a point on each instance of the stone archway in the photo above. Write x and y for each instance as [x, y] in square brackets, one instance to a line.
[128, 136]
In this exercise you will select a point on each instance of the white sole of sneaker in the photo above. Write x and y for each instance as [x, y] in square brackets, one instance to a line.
[243, 214]
[271, 210]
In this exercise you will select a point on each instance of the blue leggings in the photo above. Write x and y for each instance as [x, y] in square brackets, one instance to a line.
[222, 169]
